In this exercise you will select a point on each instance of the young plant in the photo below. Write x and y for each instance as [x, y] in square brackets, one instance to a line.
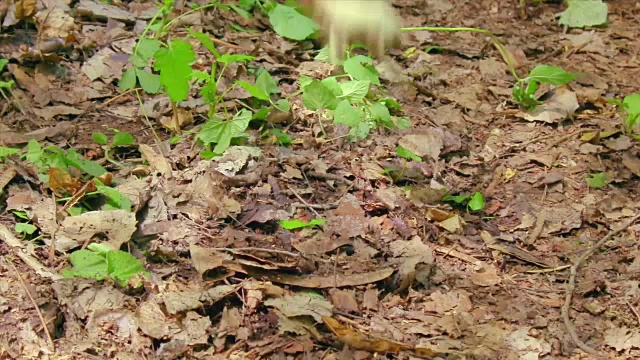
[407, 155]
[473, 202]
[295, 224]
[630, 107]
[524, 90]
[5, 86]
[99, 262]
[120, 138]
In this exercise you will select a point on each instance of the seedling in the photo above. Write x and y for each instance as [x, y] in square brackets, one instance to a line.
[5, 152]
[407, 155]
[473, 202]
[5, 86]
[25, 229]
[630, 107]
[524, 90]
[120, 138]
[99, 262]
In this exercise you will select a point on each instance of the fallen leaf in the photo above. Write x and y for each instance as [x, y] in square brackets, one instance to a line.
[302, 303]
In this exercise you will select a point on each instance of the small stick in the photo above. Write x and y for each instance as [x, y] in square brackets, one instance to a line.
[572, 286]
[304, 202]
[52, 347]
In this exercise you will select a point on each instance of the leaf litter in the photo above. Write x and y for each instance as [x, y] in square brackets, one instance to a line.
[395, 269]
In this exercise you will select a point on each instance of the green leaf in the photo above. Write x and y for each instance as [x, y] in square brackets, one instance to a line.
[266, 83]
[87, 264]
[207, 155]
[316, 96]
[25, 228]
[3, 63]
[221, 132]
[381, 115]
[631, 104]
[299, 224]
[322, 55]
[458, 199]
[581, 13]
[597, 181]
[289, 23]
[403, 123]
[128, 79]
[283, 105]
[149, 81]
[242, 12]
[332, 84]
[115, 199]
[76, 160]
[206, 41]
[476, 202]
[346, 114]
[234, 58]
[100, 138]
[361, 68]
[174, 64]
[550, 74]
[391, 104]
[355, 90]
[121, 266]
[407, 154]
[122, 138]
[7, 151]
[247, 4]
[305, 81]
[253, 90]
[282, 138]
[21, 214]
[146, 48]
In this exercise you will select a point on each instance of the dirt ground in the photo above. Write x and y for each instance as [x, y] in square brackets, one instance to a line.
[394, 272]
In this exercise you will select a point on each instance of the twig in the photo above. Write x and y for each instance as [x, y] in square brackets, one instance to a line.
[572, 286]
[633, 310]
[273, 251]
[52, 347]
[304, 202]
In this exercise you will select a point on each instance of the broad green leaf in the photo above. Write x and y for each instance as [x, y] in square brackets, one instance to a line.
[247, 4]
[25, 228]
[282, 138]
[149, 81]
[146, 48]
[121, 266]
[21, 214]
[391, 104]
[234, 58]
[3, 63]
[550, 74]
[631, 104]
[174, 64]
[581, 13]
[283, 105]
[403, 123]
[361, 130]
[76, 160]
[221, 132]
[122, 138]
[316, 96]
[206, 41]
[355, 90]
[381, 115]
[289, 23]
[333, 85]
[100, 138]
[305, 81]
[597, 181]
[128, 79]
[34, 153]
[323, 55]
[407, 154]
[87, 264]
[265, 82]
[115, 199]
[361, 68]
[458, 199]
[299, 224]
[253, 90]
[476, 203]
[346, 114]
[7, 151]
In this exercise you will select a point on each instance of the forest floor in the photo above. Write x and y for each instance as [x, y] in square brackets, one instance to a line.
[235, 267]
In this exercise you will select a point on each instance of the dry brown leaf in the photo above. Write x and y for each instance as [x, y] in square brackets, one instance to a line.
[323, 282]
[360, 341]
